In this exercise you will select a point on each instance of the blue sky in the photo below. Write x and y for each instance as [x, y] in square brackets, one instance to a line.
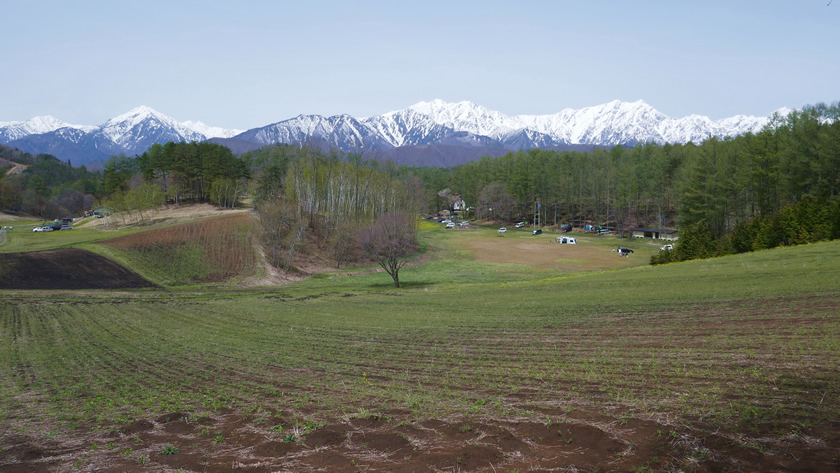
[247, 63]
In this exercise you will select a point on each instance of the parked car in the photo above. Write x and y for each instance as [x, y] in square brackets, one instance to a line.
[503, 230]
[66, 227]
[42, 229]
[667, 248]
[520, 224]
[537, 231]
[450, 225]
[624, 251]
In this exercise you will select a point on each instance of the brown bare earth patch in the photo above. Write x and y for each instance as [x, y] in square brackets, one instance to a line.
[560, 443]
[164, 215]
[10, 218]
[67, 268]
[16, 168]
[542, 252]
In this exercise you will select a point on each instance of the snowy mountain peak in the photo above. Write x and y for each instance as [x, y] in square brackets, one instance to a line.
[137, 115]
[211, 131]
[38, 125]
[45, 124]
[438, 106]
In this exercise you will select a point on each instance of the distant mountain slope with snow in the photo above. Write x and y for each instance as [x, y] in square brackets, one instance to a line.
[440, 126]
[13, 130]
[131, 133]
[622, 123]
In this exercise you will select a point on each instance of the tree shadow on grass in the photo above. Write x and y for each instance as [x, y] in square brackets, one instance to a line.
[403, 285]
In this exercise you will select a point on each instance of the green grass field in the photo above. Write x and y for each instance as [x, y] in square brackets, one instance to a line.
[733, 359]
[21, 238]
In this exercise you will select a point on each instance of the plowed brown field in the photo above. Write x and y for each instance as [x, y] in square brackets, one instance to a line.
[66, 268]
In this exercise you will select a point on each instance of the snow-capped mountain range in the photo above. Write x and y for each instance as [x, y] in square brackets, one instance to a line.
[437, 125]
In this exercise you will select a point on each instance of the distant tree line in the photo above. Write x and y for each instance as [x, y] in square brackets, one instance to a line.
[185, 172]
[618, 186]
[47, 187]
[722, 182]
[718, 185]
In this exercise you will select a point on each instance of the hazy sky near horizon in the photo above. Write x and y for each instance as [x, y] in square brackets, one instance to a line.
[248, 63]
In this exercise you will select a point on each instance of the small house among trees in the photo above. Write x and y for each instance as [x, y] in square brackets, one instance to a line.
[655, 233]
[459, 203]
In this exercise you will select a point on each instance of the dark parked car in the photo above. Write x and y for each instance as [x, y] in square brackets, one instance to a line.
[537, 231]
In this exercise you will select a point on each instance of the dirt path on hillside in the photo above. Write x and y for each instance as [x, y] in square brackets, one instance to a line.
[17, 169]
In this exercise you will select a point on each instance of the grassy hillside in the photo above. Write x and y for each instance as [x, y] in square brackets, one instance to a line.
[710, 365]
[208, 250]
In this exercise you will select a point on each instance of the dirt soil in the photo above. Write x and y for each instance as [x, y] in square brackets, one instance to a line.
[11, 218]
[545, 253]
[569, 442]
[167, 214]
[66, 268]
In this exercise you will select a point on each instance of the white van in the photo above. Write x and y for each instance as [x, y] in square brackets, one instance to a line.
[567, 240]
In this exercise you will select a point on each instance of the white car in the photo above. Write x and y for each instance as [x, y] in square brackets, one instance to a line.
[450, 225]
[42, 229]
[502, 230]
[667, 248]
[520, 224]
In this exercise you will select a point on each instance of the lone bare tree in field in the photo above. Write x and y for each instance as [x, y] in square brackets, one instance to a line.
[390, 241]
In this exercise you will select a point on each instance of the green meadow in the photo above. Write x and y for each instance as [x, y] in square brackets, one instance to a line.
[746, 344]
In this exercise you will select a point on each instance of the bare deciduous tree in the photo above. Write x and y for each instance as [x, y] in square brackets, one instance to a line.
[390, 241]
[280, 228]
[342, 242]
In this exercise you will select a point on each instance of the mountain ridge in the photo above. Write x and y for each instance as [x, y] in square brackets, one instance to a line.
[446, 125]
